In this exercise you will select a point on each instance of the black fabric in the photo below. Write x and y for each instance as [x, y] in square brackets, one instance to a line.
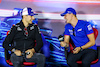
[37, 58]
[20, 40]
[87, 56]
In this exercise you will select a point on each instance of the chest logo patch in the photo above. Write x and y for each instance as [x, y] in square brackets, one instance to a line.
[19, 29]
[79, 29]
[31, 28]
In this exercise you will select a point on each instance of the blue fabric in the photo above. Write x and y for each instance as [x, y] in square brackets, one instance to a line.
[81, 30]
[0, 36]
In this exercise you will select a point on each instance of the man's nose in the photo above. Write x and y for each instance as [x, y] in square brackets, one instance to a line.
[32, 18]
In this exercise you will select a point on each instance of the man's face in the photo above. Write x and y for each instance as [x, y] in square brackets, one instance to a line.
[68, 17]
[29, 19]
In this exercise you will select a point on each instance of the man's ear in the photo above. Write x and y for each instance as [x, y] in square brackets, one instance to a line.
[24, 16]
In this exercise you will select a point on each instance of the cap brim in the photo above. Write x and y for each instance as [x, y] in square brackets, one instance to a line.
[33, 14]
[63, 14]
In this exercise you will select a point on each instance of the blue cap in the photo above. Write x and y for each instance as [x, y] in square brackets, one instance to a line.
[28, 11]
[69, 10]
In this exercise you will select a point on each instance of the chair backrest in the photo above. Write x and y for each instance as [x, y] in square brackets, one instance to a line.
[95, 32]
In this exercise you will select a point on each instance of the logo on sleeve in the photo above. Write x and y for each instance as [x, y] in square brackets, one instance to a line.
[71, 32]
[89, 27]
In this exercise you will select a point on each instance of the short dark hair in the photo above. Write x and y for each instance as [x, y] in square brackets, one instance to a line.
[22, 17]
[75, 15]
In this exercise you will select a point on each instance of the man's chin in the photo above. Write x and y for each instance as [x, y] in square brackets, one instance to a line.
[67, 21]
[30, 23]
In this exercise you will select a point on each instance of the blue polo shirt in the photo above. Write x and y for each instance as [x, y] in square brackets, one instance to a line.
[81, 30]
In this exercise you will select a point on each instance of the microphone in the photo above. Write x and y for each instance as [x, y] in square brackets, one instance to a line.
[60, 38]
[27, 53]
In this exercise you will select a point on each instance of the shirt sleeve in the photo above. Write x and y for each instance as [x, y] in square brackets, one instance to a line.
[66, 31]
[38, 37]
[9, 39]
[88, 28]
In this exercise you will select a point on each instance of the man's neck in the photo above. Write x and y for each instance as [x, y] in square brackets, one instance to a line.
[74, 22]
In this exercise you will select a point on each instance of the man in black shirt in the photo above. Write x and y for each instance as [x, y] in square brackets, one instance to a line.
[23, 36]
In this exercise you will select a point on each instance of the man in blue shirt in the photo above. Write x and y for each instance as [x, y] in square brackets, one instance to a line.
[82, 36]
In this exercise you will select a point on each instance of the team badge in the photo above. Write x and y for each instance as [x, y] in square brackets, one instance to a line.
[31, 28]
[19, 29]
[89, 27]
